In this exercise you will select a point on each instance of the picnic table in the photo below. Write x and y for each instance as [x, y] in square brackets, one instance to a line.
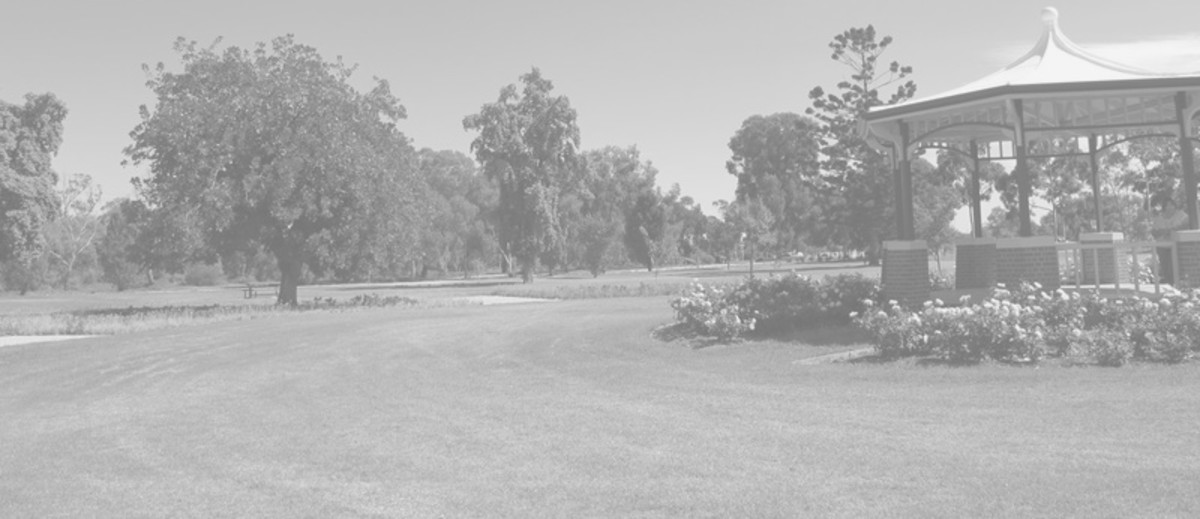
[250, 291]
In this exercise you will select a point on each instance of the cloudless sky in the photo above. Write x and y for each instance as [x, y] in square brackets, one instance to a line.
[676, 78]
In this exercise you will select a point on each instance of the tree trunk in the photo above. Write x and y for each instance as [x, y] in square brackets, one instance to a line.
[289, 279]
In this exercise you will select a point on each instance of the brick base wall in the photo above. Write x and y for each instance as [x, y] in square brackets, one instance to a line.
[1187, 250]
[1027, 260]
[906, 271]
[975, 264]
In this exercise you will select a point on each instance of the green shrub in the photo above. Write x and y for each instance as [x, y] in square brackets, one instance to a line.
[774, 303]
[1107, 347]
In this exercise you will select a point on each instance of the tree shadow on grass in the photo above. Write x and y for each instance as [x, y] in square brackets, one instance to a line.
[827, 335]
[681, 332]
[831, 335]
[917, 362]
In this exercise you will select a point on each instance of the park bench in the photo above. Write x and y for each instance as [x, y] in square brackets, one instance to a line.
[251, 291]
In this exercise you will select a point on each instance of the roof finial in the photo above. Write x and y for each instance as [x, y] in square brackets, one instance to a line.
[1049, 15]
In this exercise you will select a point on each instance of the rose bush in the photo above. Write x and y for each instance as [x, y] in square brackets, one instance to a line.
[1027, 324]
[773, 303]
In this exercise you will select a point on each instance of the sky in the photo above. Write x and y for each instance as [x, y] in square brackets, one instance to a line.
[675, 78]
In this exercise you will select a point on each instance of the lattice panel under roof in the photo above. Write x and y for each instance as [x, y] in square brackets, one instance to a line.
[984, 122]
[1099, 114]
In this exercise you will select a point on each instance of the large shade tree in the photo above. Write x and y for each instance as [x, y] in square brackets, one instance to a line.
[30, 135]
[775, 159]
[527, 141]
[276, 144]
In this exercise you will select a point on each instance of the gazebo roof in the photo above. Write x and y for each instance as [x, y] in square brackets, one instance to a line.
[1080, 91]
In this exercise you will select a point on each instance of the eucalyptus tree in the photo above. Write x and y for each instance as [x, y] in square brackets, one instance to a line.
[527, 142]
[856, 177]
[273, 144]
[70, 237]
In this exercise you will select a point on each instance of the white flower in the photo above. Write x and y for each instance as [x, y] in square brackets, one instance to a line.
[938, 302]
[881, 314]
[928, 304]
[892, 302]
[853, 315]
[1076, 332]
[868, 303]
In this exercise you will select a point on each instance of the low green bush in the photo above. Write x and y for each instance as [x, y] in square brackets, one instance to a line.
[110, 321]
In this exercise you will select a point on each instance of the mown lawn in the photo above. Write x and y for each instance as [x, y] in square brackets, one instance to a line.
[571, 409]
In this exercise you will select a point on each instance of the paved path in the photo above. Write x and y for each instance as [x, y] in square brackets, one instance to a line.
[11, 340]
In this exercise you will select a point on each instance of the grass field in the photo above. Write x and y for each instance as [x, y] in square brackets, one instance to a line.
[571, 409]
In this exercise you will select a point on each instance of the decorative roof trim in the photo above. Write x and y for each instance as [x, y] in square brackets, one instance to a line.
[1165, 84]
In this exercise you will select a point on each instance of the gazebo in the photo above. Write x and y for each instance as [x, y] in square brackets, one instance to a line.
[1055, 91]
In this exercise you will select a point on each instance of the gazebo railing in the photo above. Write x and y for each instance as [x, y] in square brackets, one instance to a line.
[1142, 262]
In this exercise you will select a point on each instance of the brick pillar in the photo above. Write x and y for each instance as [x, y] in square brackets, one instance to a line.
[1187, 259]
[1029, 259]
[974, 263]
[1111, 267]
[906, 271]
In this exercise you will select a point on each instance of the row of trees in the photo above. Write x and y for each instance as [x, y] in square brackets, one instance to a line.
[270, 163]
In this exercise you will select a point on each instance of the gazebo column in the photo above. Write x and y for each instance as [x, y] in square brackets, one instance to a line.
[1021, 170]
[906, 259]
[1101, 265]
[1025, 258]
[976, 194]
[1187, 242]
[1187, 159]
[975, 257]
[1095, 170]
